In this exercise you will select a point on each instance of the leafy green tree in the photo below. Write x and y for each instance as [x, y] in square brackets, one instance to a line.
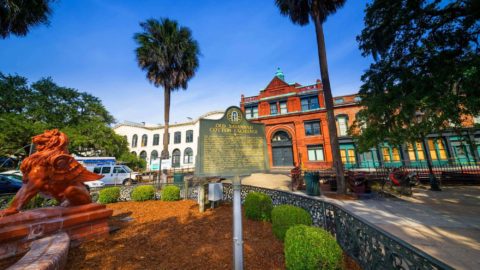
[94, 138]
[169, 55]
[301, 12]
[27, 110]
[133, 161]
[17, 16]
[425, 76]
[14, 93]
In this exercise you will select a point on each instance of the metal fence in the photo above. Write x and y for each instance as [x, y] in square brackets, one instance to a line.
[448, 171]
[370, 246]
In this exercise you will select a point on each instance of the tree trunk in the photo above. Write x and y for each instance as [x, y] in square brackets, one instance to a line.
[327, 91]
[433, 179]
[165, 154]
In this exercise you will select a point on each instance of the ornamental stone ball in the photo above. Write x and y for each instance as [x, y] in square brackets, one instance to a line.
[53, 172]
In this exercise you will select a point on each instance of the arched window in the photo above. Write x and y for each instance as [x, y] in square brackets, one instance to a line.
[126, 138]
[134, 140]
[189, 137]
[144, 140]
[154, 155]
[176, 158]
[281, 136]
[143, 155]
[135, 153]
[156, 139]
[188, 156]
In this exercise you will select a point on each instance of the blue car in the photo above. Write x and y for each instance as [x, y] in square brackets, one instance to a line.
[9, 183]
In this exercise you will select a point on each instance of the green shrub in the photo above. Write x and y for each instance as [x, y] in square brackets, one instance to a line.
[143, 193]
[109, 195]
[36, 202]
[311, 248]
[285, 216]
[258, 206]
[170, 193]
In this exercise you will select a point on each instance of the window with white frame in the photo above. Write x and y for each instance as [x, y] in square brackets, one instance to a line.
[251, 112]
[283, 107]
[188, 156]
[315, 152]
[156, 139]
[177, 137]
[342, 125]
[273, 108]
[309, 103]
[312, 128]
[189, 136]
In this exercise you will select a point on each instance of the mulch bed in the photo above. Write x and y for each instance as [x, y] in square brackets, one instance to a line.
[174, 235]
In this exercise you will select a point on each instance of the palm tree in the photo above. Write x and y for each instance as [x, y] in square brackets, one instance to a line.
[300, 12]
[17, 16]
[169, 55]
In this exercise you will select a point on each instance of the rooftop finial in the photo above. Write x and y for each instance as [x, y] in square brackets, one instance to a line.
[279, 74]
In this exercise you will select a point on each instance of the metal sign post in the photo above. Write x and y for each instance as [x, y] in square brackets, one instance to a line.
[231, 147]
[237, 224]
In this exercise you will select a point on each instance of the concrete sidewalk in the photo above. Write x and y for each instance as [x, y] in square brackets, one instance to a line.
[445, 225]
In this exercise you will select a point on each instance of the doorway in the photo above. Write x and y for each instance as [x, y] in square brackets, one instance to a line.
[282, 153]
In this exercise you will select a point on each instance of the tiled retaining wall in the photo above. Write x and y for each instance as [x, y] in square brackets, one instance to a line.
[370, 246]
[313, 205]
[126, 191]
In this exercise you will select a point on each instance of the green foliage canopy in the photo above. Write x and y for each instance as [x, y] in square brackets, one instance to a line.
[27, 110]
[17, 16]
[426, 70]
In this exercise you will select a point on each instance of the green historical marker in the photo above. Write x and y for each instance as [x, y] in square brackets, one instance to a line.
[231, 146]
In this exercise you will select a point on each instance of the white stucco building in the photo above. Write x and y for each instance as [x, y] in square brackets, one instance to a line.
[146, 140]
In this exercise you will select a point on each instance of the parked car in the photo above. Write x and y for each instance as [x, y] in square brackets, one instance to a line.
[115, 174]
[14, 172]
[9, 183]
[18, 174]
[93, 184]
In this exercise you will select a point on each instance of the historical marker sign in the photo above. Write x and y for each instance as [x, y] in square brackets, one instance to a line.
[231, 146]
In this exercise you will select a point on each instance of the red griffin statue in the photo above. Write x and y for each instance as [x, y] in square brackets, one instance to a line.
[54, 172]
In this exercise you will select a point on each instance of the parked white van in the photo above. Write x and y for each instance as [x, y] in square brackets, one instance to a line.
[115, 174]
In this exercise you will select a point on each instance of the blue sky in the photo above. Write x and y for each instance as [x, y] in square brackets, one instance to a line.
[89, 46]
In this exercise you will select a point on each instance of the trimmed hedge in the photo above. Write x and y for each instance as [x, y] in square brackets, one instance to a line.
[285, 216]
[258, 206]
[309, 247]
[143, 193]
[170, 193]
[109, 195]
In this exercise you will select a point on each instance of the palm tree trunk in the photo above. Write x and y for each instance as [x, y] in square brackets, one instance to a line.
[165, 154]
[327, 91]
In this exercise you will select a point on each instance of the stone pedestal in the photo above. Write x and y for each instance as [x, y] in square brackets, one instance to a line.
[81, 223]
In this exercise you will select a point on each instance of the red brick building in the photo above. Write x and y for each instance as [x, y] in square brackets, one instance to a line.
[296, 123]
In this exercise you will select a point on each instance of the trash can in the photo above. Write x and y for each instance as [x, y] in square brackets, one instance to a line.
[178, 178]
[311, 180]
